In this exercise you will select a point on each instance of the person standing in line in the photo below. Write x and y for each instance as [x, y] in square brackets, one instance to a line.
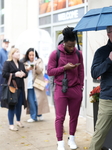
[37, 99]
[3, 58]
[14, 66]
[102, 66]
[69, 76]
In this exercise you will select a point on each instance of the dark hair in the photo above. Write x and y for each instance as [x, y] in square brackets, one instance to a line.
[27, 53]
[69, 34]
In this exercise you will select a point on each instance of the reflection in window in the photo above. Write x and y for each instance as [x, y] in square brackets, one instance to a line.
[80, 38]
[2, 4]
[1, 29]
[44, 6]
[1, 16]
[2, 19]
[74, 2]
[59, 4]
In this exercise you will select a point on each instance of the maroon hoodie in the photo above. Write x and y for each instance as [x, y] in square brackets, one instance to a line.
[75, 76]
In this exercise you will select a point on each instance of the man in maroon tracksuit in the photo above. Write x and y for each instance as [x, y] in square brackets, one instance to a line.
[69, 76]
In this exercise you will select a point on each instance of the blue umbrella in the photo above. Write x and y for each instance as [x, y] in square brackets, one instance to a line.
[95, 19]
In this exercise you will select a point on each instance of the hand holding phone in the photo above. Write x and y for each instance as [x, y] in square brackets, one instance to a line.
[32, 65]
[75, 65]
[70, 66]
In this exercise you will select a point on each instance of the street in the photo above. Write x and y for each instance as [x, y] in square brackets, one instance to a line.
[39, 135]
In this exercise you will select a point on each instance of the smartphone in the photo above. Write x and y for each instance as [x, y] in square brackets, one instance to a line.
[32, 65]
[77, 64]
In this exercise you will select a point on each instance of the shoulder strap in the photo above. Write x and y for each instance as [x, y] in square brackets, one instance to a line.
[57, 56]
[78, 54]
[9, 80]
[13, 81]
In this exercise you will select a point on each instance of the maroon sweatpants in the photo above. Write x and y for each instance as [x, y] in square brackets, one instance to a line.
[72, 98]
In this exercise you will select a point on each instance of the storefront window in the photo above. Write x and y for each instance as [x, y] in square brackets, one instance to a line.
[44, 6]
[2, 19]
[2, 4]
[1, 16]
[59, 4]
[45, 20]
[74, 2]
[80, 38]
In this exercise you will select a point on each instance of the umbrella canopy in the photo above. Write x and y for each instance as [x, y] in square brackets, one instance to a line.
[95, 19]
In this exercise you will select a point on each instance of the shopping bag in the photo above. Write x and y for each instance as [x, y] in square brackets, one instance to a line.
[10, 93]
[39, 84]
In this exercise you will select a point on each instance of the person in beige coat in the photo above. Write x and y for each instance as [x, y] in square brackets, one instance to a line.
[37, 99]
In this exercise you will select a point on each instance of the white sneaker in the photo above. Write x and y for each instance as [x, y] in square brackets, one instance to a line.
[71, 142]
[40, 118]
[30, 120]
[60, 145]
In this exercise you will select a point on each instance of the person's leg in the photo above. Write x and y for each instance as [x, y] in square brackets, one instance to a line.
[18, 107]
[11, 116]
[61, 102]
[11, 112]
[103, 124]
[74, 102]
[32, 104]
[36, 104]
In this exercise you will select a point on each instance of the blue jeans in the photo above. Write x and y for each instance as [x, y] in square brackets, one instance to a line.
[16, 109]
[33, 104]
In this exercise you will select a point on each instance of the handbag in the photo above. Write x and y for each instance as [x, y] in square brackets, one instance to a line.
[39, 84]
[10, 93]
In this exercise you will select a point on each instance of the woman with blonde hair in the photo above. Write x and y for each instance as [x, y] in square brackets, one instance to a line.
[16, 68]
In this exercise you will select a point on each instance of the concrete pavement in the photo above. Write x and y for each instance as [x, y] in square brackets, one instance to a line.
[39, 135]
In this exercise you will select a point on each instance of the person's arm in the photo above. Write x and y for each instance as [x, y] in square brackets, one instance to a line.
[99, 66]
[6, 71]
[39, 67]
[24, 70]
[81, 70]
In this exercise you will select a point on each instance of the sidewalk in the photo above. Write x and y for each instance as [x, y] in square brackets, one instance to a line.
[39, 135]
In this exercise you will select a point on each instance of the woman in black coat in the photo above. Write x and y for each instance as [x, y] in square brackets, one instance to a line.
[14, 66]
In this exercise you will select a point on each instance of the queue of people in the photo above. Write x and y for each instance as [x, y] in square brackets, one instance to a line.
[67, 74]
[24, 74]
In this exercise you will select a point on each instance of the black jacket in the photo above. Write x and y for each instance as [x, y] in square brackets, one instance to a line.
[102, 66]
[10, 67]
